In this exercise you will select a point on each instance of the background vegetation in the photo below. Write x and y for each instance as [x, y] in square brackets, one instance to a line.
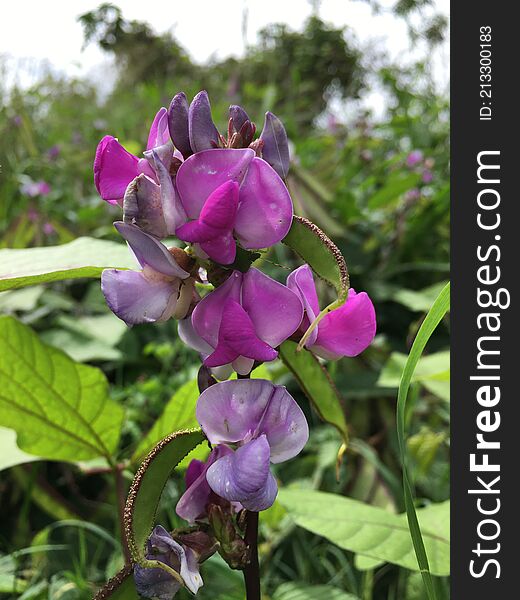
[387, 211]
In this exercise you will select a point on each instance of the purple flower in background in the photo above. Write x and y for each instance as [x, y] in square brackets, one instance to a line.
[264, 423]
[48, 228]
[53, 152]
[155, 582]
[414, 158]
[230, 192]
[243, 320]
[115, 167]
[35, 188]
[427, 176]
[161, 290]
[345, 331]
[198, 495]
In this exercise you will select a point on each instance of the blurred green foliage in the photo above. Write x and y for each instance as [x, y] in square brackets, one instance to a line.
[389, 217]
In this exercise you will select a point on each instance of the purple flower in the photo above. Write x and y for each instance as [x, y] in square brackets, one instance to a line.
[243, 320]
[115, 167]
[427, 176]
[414, 158]
[35, 188]
[345, 331]
[231, 192]
[275, 146]
[161, 290]
[155, 582]
[53, 152]
[193, 504]
[265, 425]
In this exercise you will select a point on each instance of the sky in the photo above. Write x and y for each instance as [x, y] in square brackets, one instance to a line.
[205, 28]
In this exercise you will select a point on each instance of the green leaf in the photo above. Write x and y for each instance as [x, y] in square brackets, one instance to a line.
[9, 583]
[396, 185]
[22, 300]
[419, 301]
[364, 529]
[149, 481]
[433, 318]
[120, 587]
[432, 371]
[303, 591]
[10, 454]
[320, 253]
[316, 383]
[434, 518]
[59, 409]
[84, 257]
[423, 446]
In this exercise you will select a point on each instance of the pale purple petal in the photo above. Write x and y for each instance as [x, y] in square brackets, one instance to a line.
[159, 133]
[275, 150]
[192, 504]
[275, 310]
[142, 206]
[301, 281]
[265, 212]
[191, 338]
[244, 476]
[237, 337]
[114, 169]
[202, 131]
[239, 116]
[284, 425]
[194, 470]
[231, 410]
[173, 211]
[178, 124]
[204, 172]
[207, 314]
[149, 251]
[348, 330]
[136, 299]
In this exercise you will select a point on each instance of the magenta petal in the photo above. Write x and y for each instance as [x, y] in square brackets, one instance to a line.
[203, 133]
[237, 337]
[285, 426]
[149, 251]
[207, 314]
[348, 330]
[231, 410]
[204, 172]
[159, 133]
[265, 213]
[222, 250]
[244, 476]
[275, 310]
[135, 299]
[114, 169]
[301, 282]
[178, 124]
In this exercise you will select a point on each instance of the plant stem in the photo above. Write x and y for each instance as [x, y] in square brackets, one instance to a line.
[252, 569]
[120, 495]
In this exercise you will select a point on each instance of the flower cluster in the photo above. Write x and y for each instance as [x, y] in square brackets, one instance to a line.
[221, 197]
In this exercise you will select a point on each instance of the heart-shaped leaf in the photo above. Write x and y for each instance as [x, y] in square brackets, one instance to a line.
[60, 409]
[84, 257]
[368, 530]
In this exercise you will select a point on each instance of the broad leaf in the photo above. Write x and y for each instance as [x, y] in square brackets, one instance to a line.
[316, 384]
[84, 257]
[434, 518]
[397, 184]
[320, 253]
[365, 529]
[59, 409]
[10, 454]
[303, 591]
[120, 587]
[149, 481]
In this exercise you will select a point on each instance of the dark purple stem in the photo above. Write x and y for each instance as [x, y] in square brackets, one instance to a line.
[252, 569]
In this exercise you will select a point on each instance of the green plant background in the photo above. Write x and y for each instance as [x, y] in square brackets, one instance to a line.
[59, 528]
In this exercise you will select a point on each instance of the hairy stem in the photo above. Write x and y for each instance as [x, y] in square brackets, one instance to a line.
[120, 495]
[252, 569]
